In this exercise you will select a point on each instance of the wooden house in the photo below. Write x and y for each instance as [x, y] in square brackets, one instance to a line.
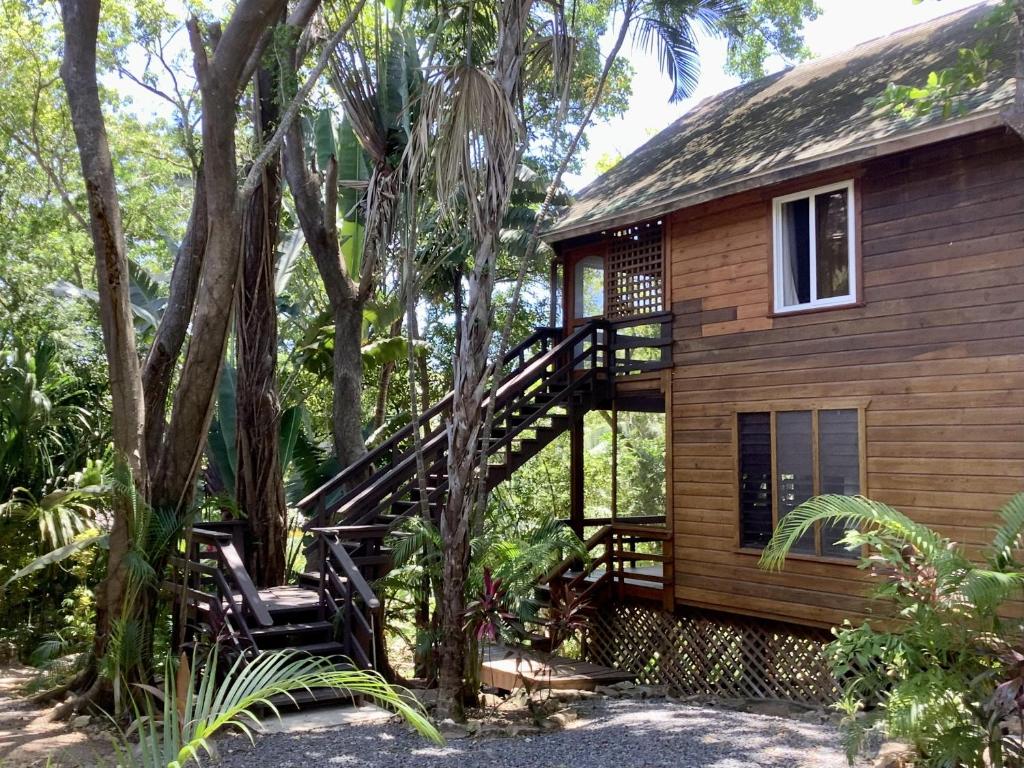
[818, 296]
[844, 288]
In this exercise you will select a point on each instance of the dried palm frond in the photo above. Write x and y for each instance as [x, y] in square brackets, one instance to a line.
[469, 134]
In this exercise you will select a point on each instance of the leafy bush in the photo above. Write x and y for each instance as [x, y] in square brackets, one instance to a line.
[943, 672]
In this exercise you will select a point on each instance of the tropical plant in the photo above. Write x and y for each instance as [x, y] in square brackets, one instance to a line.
[64, 512]
[945, 667]
[46, 428]
[196, 703]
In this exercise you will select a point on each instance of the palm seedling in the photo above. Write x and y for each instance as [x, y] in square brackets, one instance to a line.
[942, 670]
[196, 703]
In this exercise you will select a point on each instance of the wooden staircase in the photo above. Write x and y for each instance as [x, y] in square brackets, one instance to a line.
[546, 382]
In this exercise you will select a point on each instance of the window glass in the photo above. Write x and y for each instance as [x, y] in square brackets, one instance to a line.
[796, 252]
[795, 466]
[837, 464]
[813, 252]
[589, 280]
[839, 467]
[832, 232]
[755, 481]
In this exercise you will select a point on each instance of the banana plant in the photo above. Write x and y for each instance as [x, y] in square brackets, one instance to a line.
[221, 445]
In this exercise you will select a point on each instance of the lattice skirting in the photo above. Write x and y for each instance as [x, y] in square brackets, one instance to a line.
[700, 653]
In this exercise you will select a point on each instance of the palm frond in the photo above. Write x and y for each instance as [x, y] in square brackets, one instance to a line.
[197, 703]
[1009, 535]
[857, 512]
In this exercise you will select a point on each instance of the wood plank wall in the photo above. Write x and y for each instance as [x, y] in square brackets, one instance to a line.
[935, 352]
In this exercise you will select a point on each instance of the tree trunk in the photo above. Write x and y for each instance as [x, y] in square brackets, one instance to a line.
[259, 481]
[463, 431]
[471, 371]
[78, 71]
[347, 411]
[316, 217]
[170, 336]
[119, 598]
[219, 83]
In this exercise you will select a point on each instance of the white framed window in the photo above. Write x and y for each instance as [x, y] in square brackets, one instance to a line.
[589, 287]
[814, 248]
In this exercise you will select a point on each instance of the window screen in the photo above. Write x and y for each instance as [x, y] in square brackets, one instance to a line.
[755, 467]
[839, 467]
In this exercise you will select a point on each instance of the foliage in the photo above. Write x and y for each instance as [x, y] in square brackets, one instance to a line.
[946, 90]
[945, 667]
[51, 493]
[766, 28]
[196, 703]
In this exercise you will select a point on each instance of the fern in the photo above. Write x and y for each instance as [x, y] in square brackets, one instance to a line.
[1009, 535]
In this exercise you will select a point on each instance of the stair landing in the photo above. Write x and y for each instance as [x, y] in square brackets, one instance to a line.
[507, 668]
[289, 597]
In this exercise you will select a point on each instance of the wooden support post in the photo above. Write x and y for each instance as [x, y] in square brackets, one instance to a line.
[615, 460]
[576, 510]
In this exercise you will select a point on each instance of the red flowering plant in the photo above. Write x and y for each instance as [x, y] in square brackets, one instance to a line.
[485, 616]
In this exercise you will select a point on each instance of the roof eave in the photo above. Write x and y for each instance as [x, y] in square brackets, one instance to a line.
[952, 129]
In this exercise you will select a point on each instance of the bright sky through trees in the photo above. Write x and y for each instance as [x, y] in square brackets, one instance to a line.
[842, 25]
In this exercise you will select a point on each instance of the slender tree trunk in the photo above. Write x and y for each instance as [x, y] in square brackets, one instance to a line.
[259, 479]
[170, 336]
[471, 377]
[387, 373]
[347, 413]
[463, 432]
[78, 71]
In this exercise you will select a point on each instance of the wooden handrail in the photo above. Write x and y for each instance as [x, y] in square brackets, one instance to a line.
[358, 468]
[372, 492]
[613, 557]
[223, 543]
[352, 572]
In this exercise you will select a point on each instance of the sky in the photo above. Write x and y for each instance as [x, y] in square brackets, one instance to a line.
[841, 25]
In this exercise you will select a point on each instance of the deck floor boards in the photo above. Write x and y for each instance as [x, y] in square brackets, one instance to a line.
[507, 668]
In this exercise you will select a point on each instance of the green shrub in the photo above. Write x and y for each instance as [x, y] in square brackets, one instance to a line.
[943, 670]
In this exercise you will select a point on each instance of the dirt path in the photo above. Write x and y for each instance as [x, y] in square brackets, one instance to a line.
[29, 738]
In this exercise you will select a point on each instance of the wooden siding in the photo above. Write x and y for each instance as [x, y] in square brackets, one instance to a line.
[934, 353]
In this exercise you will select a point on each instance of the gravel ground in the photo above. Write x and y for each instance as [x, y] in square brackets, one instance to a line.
[610, 734]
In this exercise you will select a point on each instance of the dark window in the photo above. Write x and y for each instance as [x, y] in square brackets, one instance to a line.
[764, 497]
[794, 446]
[755, 479]
[839, 466]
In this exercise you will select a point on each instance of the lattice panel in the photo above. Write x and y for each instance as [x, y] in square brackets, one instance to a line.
[705, 654]
[635, 272]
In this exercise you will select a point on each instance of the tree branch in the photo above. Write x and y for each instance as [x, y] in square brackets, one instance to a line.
[289, 115]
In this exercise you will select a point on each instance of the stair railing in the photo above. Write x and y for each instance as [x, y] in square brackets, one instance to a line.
[358, 476]
[375, 495]
[345, 595]
[224, 589]
[615, 555]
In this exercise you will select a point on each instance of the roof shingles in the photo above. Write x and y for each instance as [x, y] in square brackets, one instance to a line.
[791, 120]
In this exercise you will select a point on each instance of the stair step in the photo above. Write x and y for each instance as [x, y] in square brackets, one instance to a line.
[300, 628]
[330, 648]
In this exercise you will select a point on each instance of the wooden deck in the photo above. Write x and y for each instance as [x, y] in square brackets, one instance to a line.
[507, 668]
